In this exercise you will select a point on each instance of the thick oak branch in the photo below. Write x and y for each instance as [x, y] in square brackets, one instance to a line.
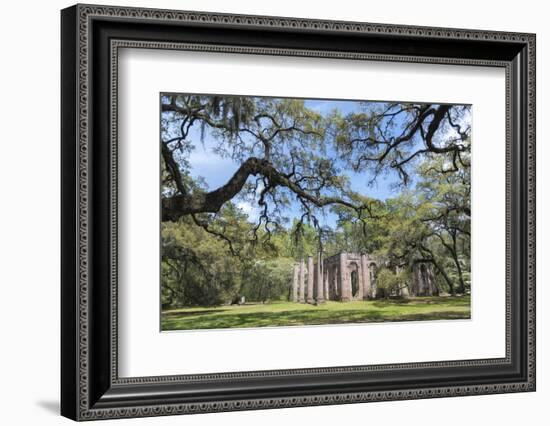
[211, 202]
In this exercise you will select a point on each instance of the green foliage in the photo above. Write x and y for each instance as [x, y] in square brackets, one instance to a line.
[212, 257]
[198, 268]
[388, 282]
[193, 271]
[267, 280]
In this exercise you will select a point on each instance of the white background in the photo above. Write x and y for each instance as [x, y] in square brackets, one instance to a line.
[146, 352]
[29, 229]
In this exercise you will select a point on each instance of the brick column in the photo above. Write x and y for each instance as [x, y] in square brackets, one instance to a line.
[319, 280]
[310, 278]
[335, 282]
[366, 276]
[372, 281]
[326, 281]
[301, 282]
[295, 278]
[359, 294]
[345, 284]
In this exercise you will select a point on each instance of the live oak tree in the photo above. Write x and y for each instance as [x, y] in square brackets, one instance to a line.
[279, 142]
[282, 146]
[446, 211]
[288, 154]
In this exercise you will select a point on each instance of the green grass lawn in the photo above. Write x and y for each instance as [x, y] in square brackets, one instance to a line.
[288, 313]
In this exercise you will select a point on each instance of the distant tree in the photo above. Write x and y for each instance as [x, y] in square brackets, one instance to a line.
[268, 280]
[387, 281]
[446, 209]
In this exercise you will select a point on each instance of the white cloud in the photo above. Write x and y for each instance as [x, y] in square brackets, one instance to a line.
[200, 157]
[448, 132]
[251, 210]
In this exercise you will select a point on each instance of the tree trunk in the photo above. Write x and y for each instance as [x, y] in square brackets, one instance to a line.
[461, 288]
[441, 270]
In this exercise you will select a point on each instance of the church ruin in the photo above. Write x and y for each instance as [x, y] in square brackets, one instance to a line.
[351, 276]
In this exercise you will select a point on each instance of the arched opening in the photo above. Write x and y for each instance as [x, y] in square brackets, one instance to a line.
[335, 280]
[423, 280]
[354, 283]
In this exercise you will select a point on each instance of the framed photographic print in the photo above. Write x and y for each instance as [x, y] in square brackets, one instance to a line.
[264, 212]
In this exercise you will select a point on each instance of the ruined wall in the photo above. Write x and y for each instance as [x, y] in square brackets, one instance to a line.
[344, 277]
[352, 276]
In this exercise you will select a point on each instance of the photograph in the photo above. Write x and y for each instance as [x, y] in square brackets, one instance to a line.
[277, 208]
[279, 211]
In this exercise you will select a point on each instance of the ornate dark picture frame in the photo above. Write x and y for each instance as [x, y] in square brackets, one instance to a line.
[90, 385]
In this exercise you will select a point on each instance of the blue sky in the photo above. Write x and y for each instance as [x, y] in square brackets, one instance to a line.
[382, 188]
[216, 170]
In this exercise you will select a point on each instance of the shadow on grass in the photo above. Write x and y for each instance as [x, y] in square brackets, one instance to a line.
[289, 318]
[188, 313]
[444, 315]
[448, 301]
